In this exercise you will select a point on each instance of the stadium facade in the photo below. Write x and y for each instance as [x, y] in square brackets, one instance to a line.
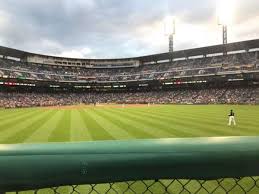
[202, 68]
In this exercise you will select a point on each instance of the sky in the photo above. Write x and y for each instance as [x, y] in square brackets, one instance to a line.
[121, 28]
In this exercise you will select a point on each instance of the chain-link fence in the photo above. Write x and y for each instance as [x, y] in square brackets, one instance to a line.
[176, 186]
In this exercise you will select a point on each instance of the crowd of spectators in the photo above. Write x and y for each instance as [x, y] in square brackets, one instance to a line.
[204, 96]
[166, 70]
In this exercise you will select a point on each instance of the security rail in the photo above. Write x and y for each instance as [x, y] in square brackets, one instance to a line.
[181, 165]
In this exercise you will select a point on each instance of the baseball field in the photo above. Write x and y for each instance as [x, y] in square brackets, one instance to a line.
[114, 122]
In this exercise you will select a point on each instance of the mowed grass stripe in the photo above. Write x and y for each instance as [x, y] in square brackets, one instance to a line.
[140, 126]
[118, 120]
[175, 118]
[18, 115]
[206, 116]
[215, 115]
[79, 130]
[43, 132]
[207, 126]
[61, 133]
[95, 128]
[152, 123]
[28, 130]
[185, 126]
[12, 114]
[215, 121]
[160, 129]
[14, 129]
[212, 110]
[173, 128]
[5, 125]
[191, 126]
[245, 125]
[114, 130]
[248, 127]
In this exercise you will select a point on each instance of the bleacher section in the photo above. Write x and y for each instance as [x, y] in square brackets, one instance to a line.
[209, 66]
[203, 96]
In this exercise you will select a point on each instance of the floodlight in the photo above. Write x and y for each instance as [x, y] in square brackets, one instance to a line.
[225, 12]
[169, 23]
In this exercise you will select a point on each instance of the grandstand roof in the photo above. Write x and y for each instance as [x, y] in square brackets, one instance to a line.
[231, 47]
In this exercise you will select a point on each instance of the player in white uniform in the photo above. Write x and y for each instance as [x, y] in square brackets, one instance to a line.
[231, 118]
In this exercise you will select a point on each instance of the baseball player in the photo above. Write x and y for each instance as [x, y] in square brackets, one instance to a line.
[231, 118]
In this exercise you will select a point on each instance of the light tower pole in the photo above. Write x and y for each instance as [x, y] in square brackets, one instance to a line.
[171, 35]
[225, 13]
[224, 37]
[225, 34]
[171, 43]
[170, 32]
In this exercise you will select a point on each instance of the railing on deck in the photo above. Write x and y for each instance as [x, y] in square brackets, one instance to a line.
[189, 165]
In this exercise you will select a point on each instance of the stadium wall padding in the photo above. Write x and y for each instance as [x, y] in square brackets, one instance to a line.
[32, 166]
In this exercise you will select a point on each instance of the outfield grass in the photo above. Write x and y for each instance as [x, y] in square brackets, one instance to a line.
[39, 125]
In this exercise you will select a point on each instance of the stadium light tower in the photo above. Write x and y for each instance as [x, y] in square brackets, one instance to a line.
[224, 37]
[225, 31]
[225, 17]
[170, 32]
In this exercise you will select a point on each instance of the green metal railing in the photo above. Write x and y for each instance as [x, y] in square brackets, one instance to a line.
[191, 165]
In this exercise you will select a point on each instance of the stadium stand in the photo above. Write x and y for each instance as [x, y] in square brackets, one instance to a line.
[206, 96]
[187, 67]
[194, 76]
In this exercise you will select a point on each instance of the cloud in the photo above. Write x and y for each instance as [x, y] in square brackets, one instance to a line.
[77, 53]
[72, 7]
[115, 28]
[241, 32]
